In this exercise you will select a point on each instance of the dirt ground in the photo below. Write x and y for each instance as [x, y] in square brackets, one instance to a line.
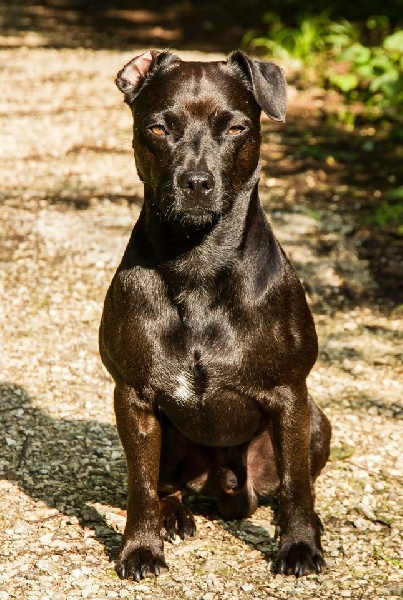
[68, 200]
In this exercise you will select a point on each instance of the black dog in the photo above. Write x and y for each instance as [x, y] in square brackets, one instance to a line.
[206, 330]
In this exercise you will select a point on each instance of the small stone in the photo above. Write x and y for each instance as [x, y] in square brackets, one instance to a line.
[20, 527]
[76, 573]
[46, 539]
[366, 507]
[89, 589]
[327, 584]
[85, 570]
[46, 566]
[383, 591]
[142, 588]
[361, 523]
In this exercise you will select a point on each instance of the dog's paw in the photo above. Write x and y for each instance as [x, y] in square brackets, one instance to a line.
[299, 559]
[136, 562]
[177, 519]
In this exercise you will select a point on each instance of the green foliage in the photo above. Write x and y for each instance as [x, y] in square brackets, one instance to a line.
[375, 74]
[388, 559]
[301, 45]
[390, 212]
[332, 52]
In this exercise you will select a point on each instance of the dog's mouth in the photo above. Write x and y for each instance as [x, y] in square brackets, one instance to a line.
[195, 216]
[176, 206]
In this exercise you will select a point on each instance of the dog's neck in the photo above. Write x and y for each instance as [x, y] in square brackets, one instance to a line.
[198, 253]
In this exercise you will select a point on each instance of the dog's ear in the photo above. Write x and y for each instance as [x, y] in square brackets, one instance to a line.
[268, 83]
[131, 78]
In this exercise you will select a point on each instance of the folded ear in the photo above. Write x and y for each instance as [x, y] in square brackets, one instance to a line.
[130, 79]
[267, 81]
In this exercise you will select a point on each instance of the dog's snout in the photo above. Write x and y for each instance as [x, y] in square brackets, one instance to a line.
[197, 184]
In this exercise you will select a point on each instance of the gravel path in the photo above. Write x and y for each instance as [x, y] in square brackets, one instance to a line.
[68, 201]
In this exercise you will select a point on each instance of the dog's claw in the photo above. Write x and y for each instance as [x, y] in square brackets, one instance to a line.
[280, 567]
[320, 564]
[319, 524]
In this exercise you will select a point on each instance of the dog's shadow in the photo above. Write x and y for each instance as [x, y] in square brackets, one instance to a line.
[70, 465]
[78, 467]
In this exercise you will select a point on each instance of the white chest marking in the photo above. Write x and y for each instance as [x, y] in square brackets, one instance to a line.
[184, 390]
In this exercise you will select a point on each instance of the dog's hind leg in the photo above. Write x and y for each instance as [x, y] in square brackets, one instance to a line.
[239, 505]
[320, 439]
[261, 465]
[255, 471]
[236, 497]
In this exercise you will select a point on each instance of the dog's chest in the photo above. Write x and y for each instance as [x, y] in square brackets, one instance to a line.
[197, 370]
[198, 345]
[202, 395]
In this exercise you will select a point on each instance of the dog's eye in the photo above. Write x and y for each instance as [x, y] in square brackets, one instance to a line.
[158, 130]
[235, 130]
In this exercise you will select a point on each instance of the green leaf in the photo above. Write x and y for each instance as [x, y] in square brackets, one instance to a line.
[341, 452]
[394, 42]
[395, 193]
[380, 63]
[357, 53]
[378, 22]
[345, 82]
[314, 214]
[365, 71]
[388, 213]
[387, 83]
[389, 559]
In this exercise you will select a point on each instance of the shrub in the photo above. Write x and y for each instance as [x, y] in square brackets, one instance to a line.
[375, 75]
[332, 53]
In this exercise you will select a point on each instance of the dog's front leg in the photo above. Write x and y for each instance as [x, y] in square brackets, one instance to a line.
[140, 432]
[300, 550]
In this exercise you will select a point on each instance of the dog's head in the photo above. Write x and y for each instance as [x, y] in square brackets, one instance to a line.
[197, 129]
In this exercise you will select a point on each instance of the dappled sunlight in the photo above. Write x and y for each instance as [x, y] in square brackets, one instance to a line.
[69, 198]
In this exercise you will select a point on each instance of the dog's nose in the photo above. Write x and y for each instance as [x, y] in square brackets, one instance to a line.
[197, 184]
